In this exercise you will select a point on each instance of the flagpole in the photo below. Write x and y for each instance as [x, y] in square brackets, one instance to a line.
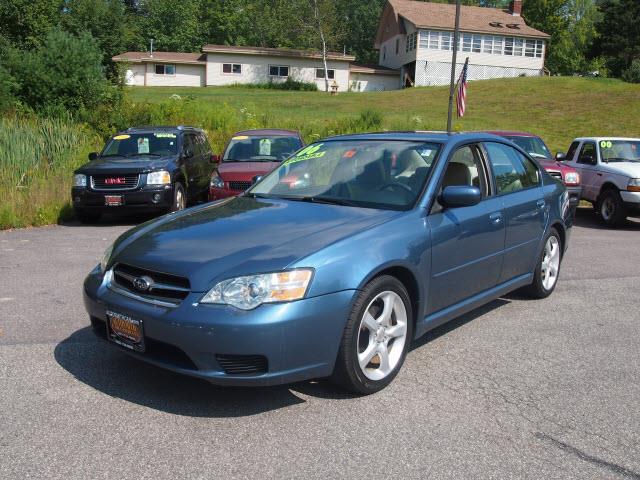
[456, 39]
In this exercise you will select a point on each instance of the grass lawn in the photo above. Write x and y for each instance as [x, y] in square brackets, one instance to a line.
[557, 108]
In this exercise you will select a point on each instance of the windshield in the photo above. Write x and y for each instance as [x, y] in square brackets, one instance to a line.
[157, 144]
[620, 150]
[534, 146]
[373, 174]
[267, 148]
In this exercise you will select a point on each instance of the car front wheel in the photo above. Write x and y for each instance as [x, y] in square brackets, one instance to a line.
[376, 337]
[179, 198]
[611, 209]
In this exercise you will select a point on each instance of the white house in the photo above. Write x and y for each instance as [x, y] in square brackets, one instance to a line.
[226, 65]
[417, 37]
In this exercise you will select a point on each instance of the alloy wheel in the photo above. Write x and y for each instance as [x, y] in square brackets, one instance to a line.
[382, 335]
[180, 204]
[550, 263]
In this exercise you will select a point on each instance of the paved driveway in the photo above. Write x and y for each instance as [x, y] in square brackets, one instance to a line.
[517, 389]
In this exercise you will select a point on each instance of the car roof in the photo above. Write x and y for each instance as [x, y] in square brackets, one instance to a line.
[161, 128]
[597, 139]
[268, 131]
[420, 136]
[508, 133]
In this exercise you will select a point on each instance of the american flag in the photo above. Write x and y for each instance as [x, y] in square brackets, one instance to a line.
[461, 90]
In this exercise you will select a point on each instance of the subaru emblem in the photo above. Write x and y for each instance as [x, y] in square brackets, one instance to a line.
[143, 283]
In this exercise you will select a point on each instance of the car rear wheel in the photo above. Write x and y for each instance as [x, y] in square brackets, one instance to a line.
[376, 338]
[611, 208]
[179, 198]
[545, 277]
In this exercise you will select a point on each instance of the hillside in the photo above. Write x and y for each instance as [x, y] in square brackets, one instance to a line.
[557, 108]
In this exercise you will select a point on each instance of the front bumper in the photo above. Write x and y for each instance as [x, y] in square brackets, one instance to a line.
[574, 195]
[631, 201]
[299, 340]
[143, 199]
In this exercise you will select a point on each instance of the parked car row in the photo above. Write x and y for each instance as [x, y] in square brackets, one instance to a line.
[328, 266]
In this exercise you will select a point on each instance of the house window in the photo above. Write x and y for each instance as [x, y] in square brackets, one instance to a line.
[278, 71]
[162, 69]
[539, 48]
[517, 47]
[466, 42]
[446, 40]
[498, 43]
[411, 42]
[487, 46]
[424, 39]
[530, 48]
[331, 73]
[232, 68]
[508, 46]
[477, 44]
[434, 40]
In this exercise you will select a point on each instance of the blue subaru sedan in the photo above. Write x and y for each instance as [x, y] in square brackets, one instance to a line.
[335, 262]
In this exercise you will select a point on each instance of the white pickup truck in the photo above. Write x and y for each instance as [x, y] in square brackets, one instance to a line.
[610, 175]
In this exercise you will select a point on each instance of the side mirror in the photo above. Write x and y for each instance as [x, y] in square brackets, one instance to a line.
[215, 158]
[93, 156]
[561, 157]
[456, 196]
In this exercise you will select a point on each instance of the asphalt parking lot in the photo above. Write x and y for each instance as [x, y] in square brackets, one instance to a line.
[517, 389]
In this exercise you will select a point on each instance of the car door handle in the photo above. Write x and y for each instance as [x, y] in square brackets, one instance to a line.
[541, 204]
[496, 218]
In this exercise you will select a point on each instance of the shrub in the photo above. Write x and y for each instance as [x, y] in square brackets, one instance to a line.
[288, 84]
[632, 74]
[64, 73]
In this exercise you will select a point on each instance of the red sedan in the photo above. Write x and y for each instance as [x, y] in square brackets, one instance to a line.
[248, 155]
[537, 149]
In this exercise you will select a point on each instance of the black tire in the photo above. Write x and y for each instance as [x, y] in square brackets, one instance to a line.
[610, 208]
[87, 217]
[179, 198]
[537, 288]
[347, 372]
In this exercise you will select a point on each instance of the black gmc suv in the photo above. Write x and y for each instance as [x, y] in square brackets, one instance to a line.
[145, 169]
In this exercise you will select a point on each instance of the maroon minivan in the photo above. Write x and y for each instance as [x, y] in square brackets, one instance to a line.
[251, 154]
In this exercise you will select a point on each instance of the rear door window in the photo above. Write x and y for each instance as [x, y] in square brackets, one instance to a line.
[512, 171]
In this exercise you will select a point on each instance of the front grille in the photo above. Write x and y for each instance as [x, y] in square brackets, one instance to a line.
[164, 287]
[240, 186]
[242, 364]
[557, 175]
[115, 181]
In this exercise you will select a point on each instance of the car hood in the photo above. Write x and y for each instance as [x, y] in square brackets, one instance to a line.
[230, 171]
[138, 164]
[240, 236]
[628, 169]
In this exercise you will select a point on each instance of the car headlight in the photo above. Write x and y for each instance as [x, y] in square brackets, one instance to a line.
[634, 185]
[161, 177]
[216, 181]
[105, 258]
[79, 180]
[572, 178]
[250, 291]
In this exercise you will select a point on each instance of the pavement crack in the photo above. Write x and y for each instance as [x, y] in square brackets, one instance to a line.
[612, 467]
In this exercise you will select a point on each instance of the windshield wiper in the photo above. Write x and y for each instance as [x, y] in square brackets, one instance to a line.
[143, 155]
[111, 155]
[327, 200]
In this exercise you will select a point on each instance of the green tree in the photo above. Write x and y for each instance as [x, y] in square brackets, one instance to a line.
[106, 21]
[65, 72]
[26, 22]
[360, 19]
[173, 25]
[571, 26]
[618, 34]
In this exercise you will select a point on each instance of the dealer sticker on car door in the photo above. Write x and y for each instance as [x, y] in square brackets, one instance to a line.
[125, 331]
